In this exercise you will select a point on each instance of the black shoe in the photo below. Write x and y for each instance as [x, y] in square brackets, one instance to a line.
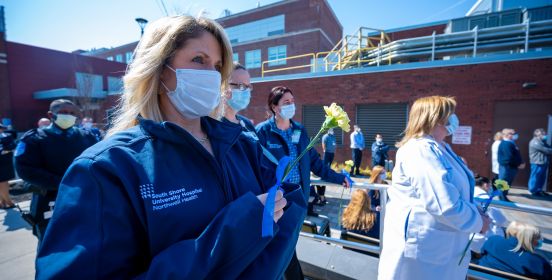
[543, 193]
[537, 194]
[505, 199]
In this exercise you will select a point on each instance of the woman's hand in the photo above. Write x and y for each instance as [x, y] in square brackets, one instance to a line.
[486, 222]
[279, 203]
[346, 183]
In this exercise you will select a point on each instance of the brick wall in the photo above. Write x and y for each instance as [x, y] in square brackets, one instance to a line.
[476, 88]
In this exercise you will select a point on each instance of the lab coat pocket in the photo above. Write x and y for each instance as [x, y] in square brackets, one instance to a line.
[429, 245]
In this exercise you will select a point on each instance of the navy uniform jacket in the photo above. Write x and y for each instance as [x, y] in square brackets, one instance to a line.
[275, 143]
[496, 253]
[43, 155]
[151, 202]
[509, 155]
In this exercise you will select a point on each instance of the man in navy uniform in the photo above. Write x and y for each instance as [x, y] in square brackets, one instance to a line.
[44, 154]
[509, 159]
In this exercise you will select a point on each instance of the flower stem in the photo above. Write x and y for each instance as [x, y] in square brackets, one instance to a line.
[296, 160]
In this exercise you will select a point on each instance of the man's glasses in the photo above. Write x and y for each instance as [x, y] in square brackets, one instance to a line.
[240, 86]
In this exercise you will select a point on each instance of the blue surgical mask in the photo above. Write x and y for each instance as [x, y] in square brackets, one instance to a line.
[545, 137]
[240, 99]
[287, 111]
[515, 137]
[197, 92]
[383, 176]
[453, 123]
[539, 244]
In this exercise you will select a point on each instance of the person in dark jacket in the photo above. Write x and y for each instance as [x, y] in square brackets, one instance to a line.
[7, 145]
[509, 159]
[515, 253]
[379, 151]
[44, 154]
[284, 137]
[539, 157]
[171, 192]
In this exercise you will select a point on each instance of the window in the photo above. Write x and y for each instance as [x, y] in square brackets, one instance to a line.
[119, 58]
[389, 120]
[253, 59]
[128, 57]
[278, 52]
[256, 29]
[110, 58]
[89, 85]
[236, 57]
[313, 117]
[114, 85]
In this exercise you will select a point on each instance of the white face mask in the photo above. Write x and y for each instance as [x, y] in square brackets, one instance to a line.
[453, 123]
[287, 111]
[197, 92]
[65, 121]
[240, 99]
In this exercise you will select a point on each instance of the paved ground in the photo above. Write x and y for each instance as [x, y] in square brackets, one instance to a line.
[18, 245]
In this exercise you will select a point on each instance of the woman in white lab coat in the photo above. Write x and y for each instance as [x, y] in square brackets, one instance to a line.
[430, 213]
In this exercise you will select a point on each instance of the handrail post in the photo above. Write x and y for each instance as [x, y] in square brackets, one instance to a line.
[314, 70]
[475, 31]
[527, 35]
[379, 54]
[433, 46]
[262, 69]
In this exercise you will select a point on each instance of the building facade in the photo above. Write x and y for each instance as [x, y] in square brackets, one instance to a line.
[274, 32]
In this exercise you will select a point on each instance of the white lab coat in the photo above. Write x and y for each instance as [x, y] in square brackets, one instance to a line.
[429, 216]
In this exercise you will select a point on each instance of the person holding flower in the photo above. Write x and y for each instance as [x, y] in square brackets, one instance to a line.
[172, 192]
[430, 214]
[283, 136]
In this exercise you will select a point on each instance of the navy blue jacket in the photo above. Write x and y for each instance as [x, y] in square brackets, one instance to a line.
[151, 202]
[43, 155]
[270, 138]
[509, 155]
[496, 253]
[379, 153]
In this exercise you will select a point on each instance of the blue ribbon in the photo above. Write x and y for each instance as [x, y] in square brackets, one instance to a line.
[268, 212]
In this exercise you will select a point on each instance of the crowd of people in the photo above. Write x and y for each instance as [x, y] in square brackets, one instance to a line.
[178, 186]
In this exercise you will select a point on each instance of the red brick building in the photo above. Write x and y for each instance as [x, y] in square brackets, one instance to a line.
[273, 32]
[31, 77]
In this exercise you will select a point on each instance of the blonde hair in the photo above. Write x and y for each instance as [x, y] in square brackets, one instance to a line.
[158, 46]
[426, 113]
[526, 235]
[498, 136]
[376, 172]
[358, 215]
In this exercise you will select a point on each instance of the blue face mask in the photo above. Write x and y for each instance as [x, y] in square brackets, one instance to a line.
[240, 99]
[539, 244]
[515, 137]
[545, 137]
[287, 111]
[453, 123]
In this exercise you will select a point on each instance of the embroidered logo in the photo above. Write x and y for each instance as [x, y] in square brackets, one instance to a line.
[168, 199]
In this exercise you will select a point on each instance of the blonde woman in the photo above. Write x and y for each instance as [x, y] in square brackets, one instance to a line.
[516, 253]
[171, 193]
[359, 218]
[430, 213]
[377, 176]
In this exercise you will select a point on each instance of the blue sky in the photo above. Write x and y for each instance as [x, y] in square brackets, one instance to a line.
[69, 25]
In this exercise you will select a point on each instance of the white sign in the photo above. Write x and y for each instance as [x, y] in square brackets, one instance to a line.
[462, 135]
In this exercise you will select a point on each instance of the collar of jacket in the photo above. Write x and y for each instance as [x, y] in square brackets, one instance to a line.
[222, 134]
[53, 128]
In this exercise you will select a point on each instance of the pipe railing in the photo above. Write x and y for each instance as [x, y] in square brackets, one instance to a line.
[474, 272]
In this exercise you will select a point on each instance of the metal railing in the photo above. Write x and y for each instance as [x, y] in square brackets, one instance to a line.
[312, 64]
[474, 272]
[362, 50]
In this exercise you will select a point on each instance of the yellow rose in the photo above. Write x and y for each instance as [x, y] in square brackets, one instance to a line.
[501, 185]
[336, 117]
